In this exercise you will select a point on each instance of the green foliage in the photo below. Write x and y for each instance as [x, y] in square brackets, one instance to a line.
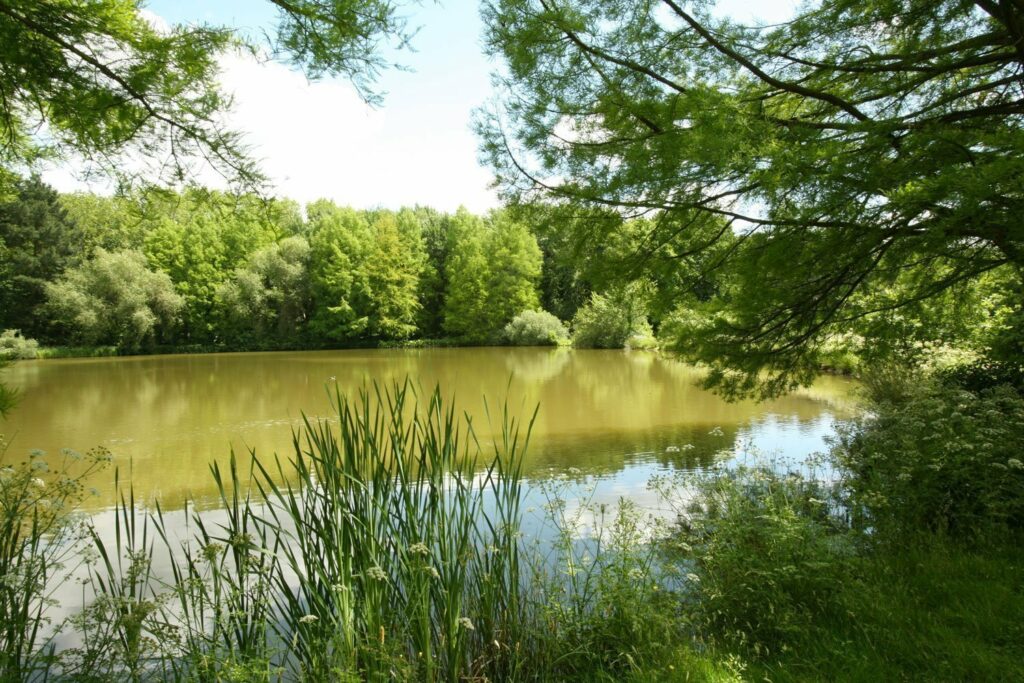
[514, 264]
[108, 85]
[392, 273]
[199, 238]
[465, 306]
[40, 539]
[854, 168]
[14, 346]
[8, 396]
[114, 298]
[492, 270]
[113, 223]
[340, 240]
[535, 328]
[268, 299]
[37, 241]
[435, 229]
[937, 458]
[768, 558]
[613, 319]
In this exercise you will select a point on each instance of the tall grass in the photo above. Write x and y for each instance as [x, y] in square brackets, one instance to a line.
[385, 548]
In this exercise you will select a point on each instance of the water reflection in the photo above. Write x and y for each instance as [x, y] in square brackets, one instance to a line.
[609, 413]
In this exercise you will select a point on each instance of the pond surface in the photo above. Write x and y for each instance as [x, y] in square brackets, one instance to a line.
[617, 416]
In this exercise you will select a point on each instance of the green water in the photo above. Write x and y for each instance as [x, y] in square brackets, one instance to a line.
[614, 414]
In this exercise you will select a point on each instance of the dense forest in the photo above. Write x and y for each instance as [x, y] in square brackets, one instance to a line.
[202, 269]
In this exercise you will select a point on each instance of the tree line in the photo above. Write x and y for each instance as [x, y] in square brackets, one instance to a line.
[158, 268]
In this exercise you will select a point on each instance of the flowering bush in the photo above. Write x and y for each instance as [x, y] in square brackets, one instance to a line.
[939, 458]
[768, 557]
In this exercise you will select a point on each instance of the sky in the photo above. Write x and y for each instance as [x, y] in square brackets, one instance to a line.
[320, 140]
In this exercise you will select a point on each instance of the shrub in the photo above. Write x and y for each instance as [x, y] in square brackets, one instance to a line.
[937, 458]
[768, 558]
[535, 328]
[609, 320]
[16, 347]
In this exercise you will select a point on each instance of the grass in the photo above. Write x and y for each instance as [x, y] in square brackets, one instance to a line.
[935, 611]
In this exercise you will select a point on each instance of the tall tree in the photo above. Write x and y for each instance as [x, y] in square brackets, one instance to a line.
[38, 243]
[465, 306]
[436, 228]
[392, 274]
[514, 268]
[199, 238]
[340, 239]
[843, 147]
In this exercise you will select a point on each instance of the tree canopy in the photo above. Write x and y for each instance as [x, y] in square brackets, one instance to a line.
[859, 160]
[96, 79]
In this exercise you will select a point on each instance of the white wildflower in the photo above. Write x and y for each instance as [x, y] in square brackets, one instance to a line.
[419, 549]
[1015, 464]
[465, 623]
[309, 619]
[376, 573]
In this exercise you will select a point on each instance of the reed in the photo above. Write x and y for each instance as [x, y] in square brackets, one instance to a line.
[385, 547]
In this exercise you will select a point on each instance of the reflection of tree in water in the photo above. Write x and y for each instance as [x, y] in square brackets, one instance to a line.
[537, 366]
[171, 416]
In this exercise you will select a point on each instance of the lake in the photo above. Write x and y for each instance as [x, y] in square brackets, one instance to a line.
[616, 416]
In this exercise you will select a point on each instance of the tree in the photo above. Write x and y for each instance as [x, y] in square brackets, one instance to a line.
[199, 238]
[840, 149]
[113, 223]
[435, 229]
[107, 85]
[339, 239]
[37, 241]
[465, 305]
[392, 274]
[115, 298]
[514, 268]
[609, 320]
[268, 299]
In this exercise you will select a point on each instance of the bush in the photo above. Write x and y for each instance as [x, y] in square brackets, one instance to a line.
[937, 458]
[13, 346]
[983, 374]
[768, 558]
[535, 328]
[609, 321]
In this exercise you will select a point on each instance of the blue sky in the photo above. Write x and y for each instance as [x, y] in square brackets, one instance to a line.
[320, 140]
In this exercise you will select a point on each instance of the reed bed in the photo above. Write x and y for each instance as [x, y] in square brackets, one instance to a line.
[385, 547]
